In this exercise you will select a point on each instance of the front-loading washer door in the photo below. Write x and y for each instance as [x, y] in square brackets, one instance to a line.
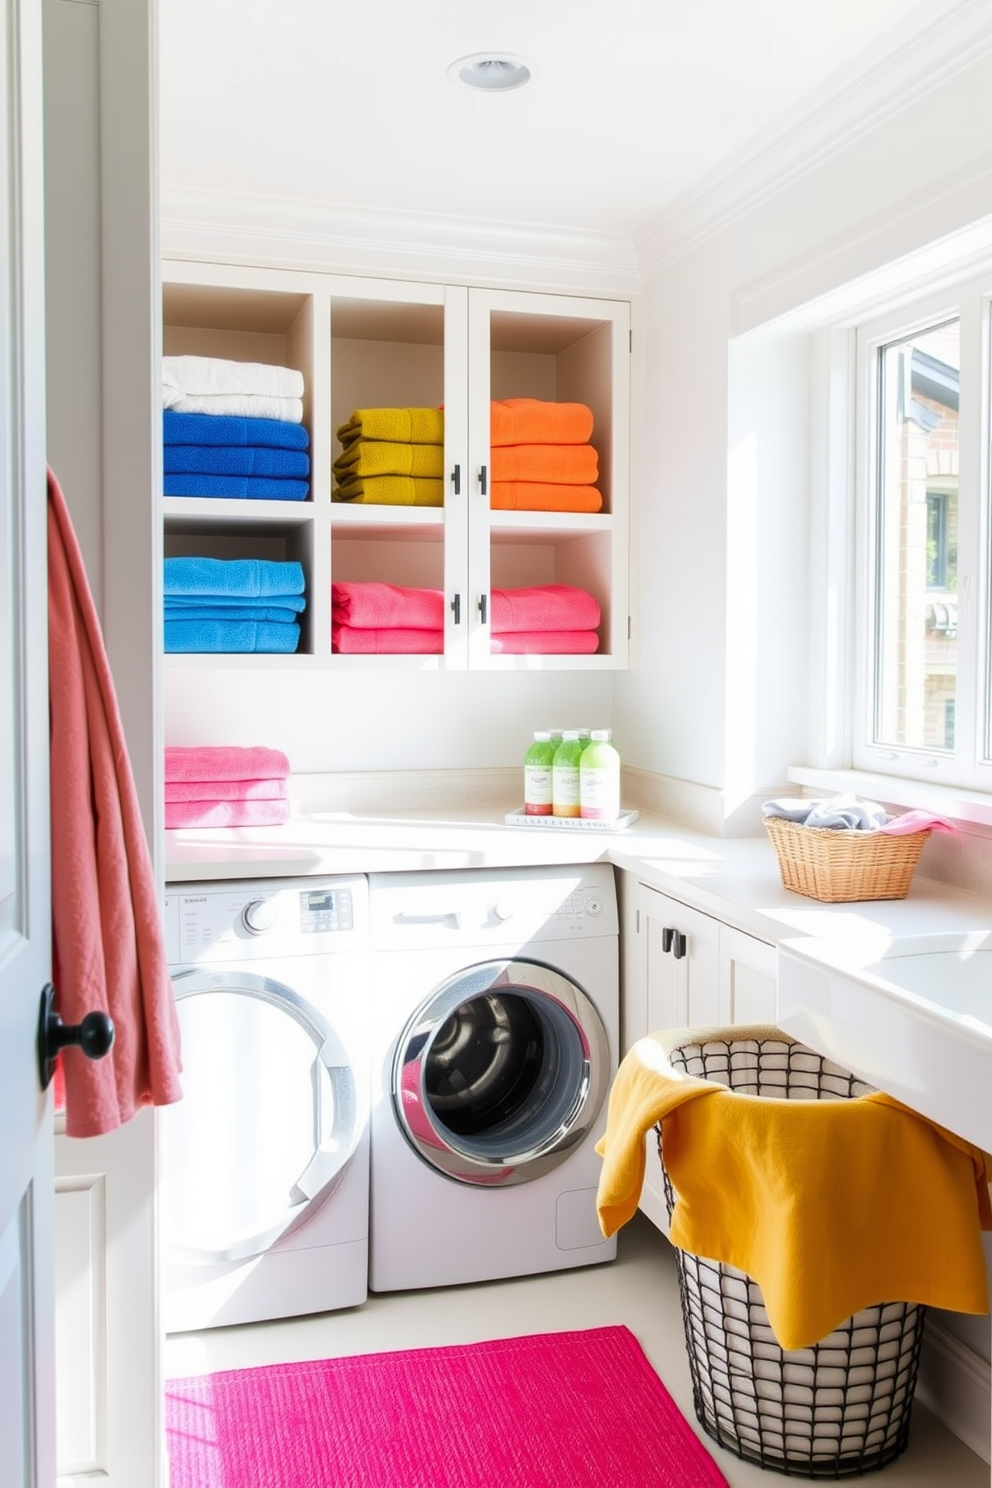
[501, 1072]
[268, 1120]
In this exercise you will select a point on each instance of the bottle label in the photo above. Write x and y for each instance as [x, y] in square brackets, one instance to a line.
[566, 790]
[600, 798]
[537, 790]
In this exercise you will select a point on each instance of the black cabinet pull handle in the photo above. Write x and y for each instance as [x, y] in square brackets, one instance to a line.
[483, 606]
[456, 606]
[456, 479]
[483, 480]
[679, 945]
[666, 939]
[94, 1035]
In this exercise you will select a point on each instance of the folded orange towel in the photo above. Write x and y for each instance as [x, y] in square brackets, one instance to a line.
[384, 457]
[533, 421]
[831, 1206]
[561, 464]
[543, 496]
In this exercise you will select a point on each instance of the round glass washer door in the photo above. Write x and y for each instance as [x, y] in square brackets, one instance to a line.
[501, 1072]
[268, 1121]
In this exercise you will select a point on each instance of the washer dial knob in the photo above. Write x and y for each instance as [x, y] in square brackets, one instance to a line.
[502, 910]
[260, 915]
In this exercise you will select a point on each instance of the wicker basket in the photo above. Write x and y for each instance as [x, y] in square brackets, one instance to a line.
[838, 1409]
[838, 867]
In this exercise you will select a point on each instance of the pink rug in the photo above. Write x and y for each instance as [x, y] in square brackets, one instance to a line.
[556, 1410]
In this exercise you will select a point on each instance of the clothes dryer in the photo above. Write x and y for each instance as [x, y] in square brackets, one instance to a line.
[495, 1030]
[266, 1155]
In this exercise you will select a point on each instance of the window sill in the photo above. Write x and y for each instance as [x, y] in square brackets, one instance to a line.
[958, 804]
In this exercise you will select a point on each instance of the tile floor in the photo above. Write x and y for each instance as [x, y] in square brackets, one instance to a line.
[639, 1289]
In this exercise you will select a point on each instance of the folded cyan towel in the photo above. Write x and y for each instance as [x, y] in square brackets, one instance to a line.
[375, 606]
[214, 375]
[248, 578]
[221, 429]
[544, 643]
[543, 607]
[236, 405]
[830, 1205]
[543, 496]
[382, 457]
[398, 425]
[260, 611]
[226, 790]
[533, 421]
[231, 636]
[179, 814]
[235, 459]
[233, 607]
[391, 641]
[557, 464]
[391, 490]
[224, 762]
[236, 487]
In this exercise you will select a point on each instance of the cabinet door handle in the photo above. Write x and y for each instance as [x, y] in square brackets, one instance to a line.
[483, 480]
[483, 606]
[456, 479]
[456, 607]
[666, 939]
[678, 945]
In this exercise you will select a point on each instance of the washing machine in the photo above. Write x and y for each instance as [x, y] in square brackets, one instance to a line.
[495, 1030]
[266, 1156]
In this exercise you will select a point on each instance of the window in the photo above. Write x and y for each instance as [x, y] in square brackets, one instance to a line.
[924, 700]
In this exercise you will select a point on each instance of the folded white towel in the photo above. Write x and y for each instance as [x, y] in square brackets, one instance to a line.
[212, 375]
[241, 405]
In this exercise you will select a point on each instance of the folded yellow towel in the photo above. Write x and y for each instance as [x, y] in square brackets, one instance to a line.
[399, 425]
[391, 490]
[383, 457]
[831, 1206]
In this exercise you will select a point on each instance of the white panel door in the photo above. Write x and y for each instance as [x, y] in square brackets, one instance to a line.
[26, 1267]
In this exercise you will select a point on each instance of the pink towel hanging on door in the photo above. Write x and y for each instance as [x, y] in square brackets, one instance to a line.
[108, 948]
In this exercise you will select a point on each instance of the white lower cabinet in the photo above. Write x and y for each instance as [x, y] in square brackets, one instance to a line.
[683, 968]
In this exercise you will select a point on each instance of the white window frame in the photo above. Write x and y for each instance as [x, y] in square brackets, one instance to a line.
[968, 301]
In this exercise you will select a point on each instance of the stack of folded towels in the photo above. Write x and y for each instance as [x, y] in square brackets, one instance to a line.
[541, 457]
[545, 620]
[235, 604]
[226, 786]
[391, 456]
[234, 430]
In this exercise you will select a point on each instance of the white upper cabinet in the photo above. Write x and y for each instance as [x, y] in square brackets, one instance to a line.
[379, 344]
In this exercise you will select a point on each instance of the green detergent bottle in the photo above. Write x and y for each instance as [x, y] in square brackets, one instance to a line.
[599, 778]
[565, 775]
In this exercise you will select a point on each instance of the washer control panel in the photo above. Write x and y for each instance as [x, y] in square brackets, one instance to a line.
[244, 921]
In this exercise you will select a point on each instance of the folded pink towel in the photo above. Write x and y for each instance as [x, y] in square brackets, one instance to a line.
[225, 762]
[386, 640]
[544, 642]
[226, 813]
[385, 606]
[544, 607]
[226, 790]
[918, 821]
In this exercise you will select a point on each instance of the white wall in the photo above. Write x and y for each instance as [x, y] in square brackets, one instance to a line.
[725, 427]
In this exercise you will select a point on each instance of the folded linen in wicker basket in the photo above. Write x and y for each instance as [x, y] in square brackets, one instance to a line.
[831, 1206]
[851, 813]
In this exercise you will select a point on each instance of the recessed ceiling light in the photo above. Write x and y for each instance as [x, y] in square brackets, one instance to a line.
[491, 73]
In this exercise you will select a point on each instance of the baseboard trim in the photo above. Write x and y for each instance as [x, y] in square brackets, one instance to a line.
[955, 1385]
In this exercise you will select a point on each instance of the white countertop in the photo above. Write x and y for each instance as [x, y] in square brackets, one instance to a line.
[735, 878]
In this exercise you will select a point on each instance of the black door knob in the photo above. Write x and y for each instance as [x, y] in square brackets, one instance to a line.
[94, 1035]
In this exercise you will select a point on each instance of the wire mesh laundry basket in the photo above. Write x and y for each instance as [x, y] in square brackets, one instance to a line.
[837, 1409]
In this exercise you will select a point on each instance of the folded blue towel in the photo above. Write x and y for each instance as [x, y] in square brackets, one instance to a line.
[229, 429]
[250, 578]
[281, 613]
[230, 635]
[236, 487]
[226, 605]
[227, 459]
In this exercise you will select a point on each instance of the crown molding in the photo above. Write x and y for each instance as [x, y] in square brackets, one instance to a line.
[296, 234]
[890, 84]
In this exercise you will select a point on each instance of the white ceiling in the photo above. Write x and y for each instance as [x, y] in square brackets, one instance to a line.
[633, 107]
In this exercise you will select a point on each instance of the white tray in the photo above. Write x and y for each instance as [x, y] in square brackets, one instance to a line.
[519, 818]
